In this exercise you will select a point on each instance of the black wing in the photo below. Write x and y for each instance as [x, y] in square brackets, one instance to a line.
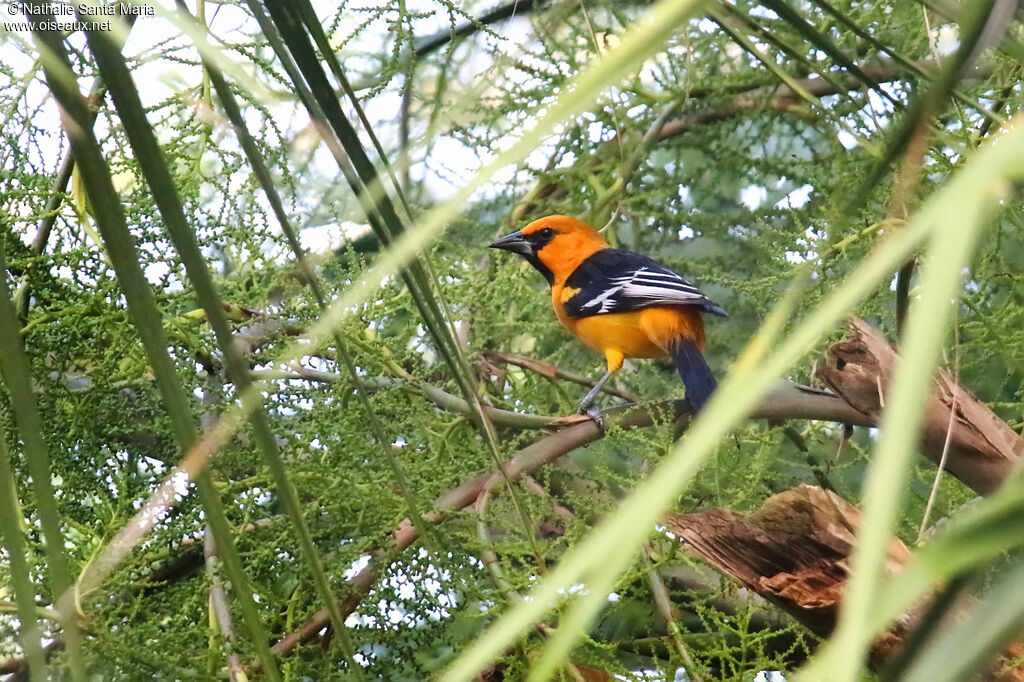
[616, 281]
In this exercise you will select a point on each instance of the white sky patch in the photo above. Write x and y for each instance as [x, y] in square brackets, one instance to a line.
[568, 160]
[706, 26]
[458, 160]
[769, 676]
[879, 104]
[356, 566]
[636, 111]
[764, 13]
[332, 236]
[155, 272]
[846, 139]
[944, 39]
[753, 196]
[597, 132]
[797, 198]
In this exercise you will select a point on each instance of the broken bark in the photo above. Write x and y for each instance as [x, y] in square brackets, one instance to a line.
[983, 449]
[795, 552]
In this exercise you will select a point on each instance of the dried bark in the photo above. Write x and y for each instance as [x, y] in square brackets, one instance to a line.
[983, 449]
[795, 552]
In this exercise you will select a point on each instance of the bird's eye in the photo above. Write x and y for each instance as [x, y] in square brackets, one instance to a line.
[546, 233]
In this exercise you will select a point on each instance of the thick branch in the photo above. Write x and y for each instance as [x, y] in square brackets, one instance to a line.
[780, 98]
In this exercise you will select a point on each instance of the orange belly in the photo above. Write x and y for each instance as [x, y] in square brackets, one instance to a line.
[646, 333]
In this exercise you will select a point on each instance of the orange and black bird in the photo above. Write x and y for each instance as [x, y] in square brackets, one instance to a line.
[618, 302]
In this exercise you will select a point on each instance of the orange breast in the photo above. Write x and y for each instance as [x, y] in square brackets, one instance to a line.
[643, 333]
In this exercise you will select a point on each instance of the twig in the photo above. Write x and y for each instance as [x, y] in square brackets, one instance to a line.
[220, 612]
[945, 445]
[555, 372]
[431, 43]
[60, 184]
[441, 398]
[663, 602]
[488, 555]
[938, 472]
[493, 563]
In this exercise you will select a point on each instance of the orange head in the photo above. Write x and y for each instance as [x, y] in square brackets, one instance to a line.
[555, 245]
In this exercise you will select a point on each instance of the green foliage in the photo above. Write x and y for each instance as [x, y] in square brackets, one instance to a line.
[746, 184]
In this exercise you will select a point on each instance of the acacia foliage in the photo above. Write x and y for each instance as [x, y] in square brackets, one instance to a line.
[703, 159]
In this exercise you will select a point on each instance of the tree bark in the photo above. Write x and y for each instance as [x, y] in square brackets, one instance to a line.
[795, 552]
[982, 448]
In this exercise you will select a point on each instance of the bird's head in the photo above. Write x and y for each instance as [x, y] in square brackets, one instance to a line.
[554, 245]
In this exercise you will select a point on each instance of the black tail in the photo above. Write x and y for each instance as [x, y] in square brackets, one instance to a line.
[694, 371]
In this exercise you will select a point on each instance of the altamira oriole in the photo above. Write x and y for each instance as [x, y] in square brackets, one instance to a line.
[618, 302]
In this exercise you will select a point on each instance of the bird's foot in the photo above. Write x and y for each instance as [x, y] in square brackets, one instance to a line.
[594, 415]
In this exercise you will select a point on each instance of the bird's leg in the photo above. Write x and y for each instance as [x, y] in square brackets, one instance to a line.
[588, 399]
[614, 358]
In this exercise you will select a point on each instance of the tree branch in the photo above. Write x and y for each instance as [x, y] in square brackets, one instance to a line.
[979, 435]
[220, 611]
[781, 98]
[789, 402]
[441, 398]
[793, 552]
[60, 183]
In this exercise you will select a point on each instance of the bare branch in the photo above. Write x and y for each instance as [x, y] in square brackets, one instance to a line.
[795, 552]
[219, 609]
[555, 372]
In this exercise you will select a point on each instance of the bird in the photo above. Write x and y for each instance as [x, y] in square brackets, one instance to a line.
[618, 302]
